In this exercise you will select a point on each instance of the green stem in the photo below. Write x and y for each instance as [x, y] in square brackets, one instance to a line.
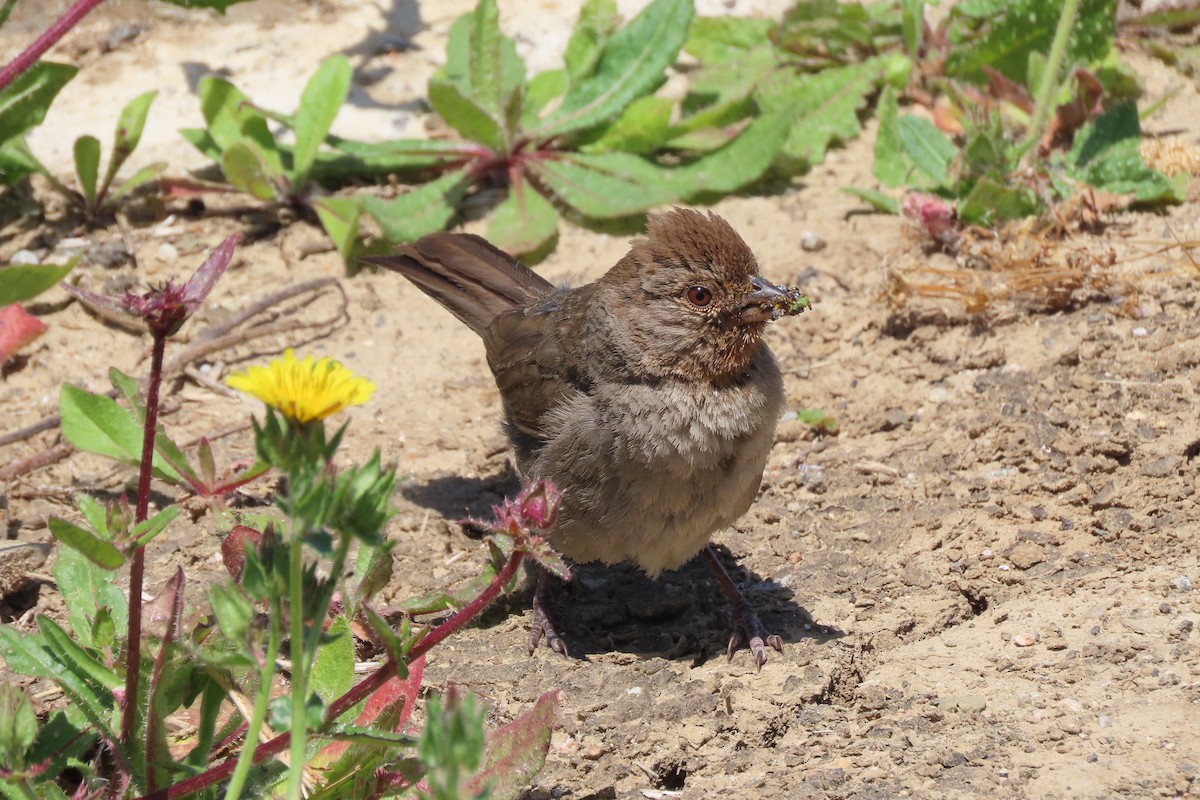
[1044, 102]
[299, 667]
[266, 678]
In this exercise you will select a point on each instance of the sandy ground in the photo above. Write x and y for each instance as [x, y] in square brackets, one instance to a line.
[985, 581]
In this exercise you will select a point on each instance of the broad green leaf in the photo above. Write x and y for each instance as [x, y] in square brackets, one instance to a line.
[1106, 155]
[891, 167]
[16, 161]
[524, 222]
[99, 551]
[739, 163]
[878, 200]
[596, 21]
[824, 106]
[233, 119]
[828, 29]
[24, 102]
[246, 171]
[127, 137]
[87, 167]
[92, 589]
[606, 185]
[642, 128]
[544, 87]
[991, 202]
[25, 281]
[96, 424]
[420, 211]
[1023, 27]
[721, 95]
[631, 65]
[464, 114]
[928, 148]
[320, 102]
[339, 216]
[333, 671]
[27, 654]
[484, 66]
[720, 40]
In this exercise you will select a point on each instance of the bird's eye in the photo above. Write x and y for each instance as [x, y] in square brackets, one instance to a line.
[699, 296]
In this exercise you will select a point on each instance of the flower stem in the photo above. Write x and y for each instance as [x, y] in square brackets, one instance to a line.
[299, 667]
[266, 678]
[1044, 101]
[47, 40]
[358, 692]
[137, 567]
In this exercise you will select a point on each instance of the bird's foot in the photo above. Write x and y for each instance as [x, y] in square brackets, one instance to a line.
[747, 629]
[544, 625]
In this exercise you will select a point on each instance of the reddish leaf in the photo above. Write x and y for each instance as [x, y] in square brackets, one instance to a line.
[1070, 117]
[17, 328]
[516, 751]
[1004, 89]
[398, 694]
[233, 548]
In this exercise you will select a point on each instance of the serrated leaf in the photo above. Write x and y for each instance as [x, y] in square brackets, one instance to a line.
[642, 128]
[423, 210]
[720, 96]
[339, 216]
[1106, 155]
[824, 107]
[482, 78]
[631, 65]
[99, 551]
[606, 185]
[333, 671]
[26, 281]
[524, 222]
[87, 167]
[720, 40]
[596, 21]
[24, 102]
[739, 163]
[246, 171]
[322, 98]
[927, 147]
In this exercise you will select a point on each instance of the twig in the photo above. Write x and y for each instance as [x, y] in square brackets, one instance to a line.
[43, 459]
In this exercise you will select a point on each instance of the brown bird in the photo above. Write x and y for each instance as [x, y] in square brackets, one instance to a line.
[647, 397]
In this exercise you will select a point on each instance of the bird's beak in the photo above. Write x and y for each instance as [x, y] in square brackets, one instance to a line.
[763, 304]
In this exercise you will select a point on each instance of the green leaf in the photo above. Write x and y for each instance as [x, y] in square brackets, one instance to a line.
[739, 163]
[927, 147]
[516, 752]
[524, 222]
[141, 177]
[126, 139]
[26, 281]
[891, 166]
[544, 87]
[631, 65]
[146, 530]
[203, 141]
[96, 424]
[991, 202]
[1023, 27]
[99, 551]
[824, 106]
[912, 21]
[878, 200]
[398, 155]
[217, 5]
[816, 418]
[232, 119]
[24, 102]
[1106, 155]
[464, 114]
[642, 128]
[87, 167]
[339, 216]
[69, 651]
[320, 102]
[720, 40]
[333, 671]
[16, 161]
[423, 210]
[247, 172]
[91, 589]
[721, 95]
[606, 185]
[596, 21]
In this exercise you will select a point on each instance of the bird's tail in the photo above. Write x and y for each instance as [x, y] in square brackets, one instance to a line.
[474, 280]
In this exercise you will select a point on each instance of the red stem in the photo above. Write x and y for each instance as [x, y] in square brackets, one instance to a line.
[31, 54]
[358, 692]
[137, 568]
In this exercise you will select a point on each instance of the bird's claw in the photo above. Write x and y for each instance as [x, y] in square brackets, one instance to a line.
[543, 625]
[747, 630]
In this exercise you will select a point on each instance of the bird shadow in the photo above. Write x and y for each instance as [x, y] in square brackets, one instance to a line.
[682, 615]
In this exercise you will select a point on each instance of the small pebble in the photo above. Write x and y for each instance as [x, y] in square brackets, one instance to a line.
[1140, 332]
[23, 257]
[1183, 583]
[1024, 640]
[811, 242]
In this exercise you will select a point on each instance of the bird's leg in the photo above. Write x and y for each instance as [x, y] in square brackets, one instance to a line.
[746, 627]
[544, 625]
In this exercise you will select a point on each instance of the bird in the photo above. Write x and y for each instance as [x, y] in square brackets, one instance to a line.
[647, 397]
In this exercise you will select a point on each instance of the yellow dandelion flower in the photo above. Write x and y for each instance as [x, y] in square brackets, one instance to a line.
[304, 390]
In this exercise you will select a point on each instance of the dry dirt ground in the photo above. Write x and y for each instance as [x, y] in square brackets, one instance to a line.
[986, 580]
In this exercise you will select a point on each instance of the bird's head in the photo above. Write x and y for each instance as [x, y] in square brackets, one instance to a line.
[690, 300]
